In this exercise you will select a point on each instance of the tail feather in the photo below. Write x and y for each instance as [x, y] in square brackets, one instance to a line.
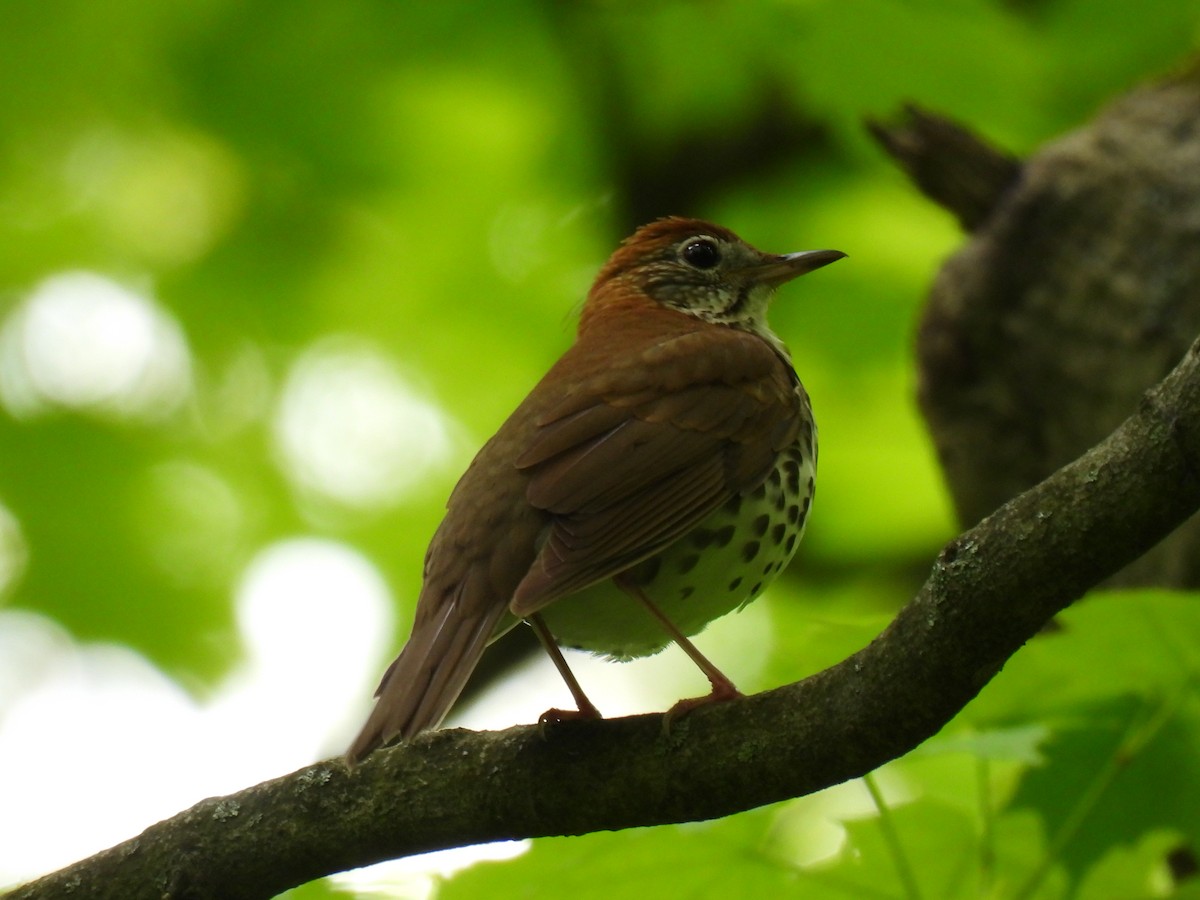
[423, 682]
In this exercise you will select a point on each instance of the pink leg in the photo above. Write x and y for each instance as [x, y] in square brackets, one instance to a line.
[722, 688]
[586, 710]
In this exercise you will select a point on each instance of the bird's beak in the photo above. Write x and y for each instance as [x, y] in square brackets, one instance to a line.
[775, 270]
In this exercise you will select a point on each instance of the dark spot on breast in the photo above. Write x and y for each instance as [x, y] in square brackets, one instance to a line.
[686, 592]
[791, 543]
[793, 514]
[645, 572]
[792, 468]
[722, 536]
[804, 508]
[770, 567]
[750, 550]
[780, 501]
[757, 587]
[733, 505]
[761, 524]
[735, 584]
[760, 492]
[775, 478]
[778, 532]
[688, 563]
[811, 485]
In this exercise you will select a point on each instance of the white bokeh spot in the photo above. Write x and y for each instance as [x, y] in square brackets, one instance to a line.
[350, 429]
[84, 342]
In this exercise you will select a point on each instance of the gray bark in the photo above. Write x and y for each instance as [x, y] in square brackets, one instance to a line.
[1078, 290]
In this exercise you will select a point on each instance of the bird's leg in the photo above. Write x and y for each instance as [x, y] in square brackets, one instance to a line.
[722, 687]
[585, 710]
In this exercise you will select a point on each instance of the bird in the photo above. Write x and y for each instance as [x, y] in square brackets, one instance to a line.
[657, 477]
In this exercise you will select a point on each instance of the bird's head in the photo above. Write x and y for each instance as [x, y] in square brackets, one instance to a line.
[703, 270]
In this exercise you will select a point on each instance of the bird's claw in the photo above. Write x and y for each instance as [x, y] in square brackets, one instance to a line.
[555, 716]
[721, 693]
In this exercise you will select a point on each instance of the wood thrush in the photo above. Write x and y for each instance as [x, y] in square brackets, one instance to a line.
[657, 477]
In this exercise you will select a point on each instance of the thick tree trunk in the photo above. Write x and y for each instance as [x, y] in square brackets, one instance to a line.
[1078, 290]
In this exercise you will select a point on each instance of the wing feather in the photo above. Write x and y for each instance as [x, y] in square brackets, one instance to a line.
[625, 467]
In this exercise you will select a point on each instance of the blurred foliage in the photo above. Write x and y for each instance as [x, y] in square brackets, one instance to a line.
[434, 185]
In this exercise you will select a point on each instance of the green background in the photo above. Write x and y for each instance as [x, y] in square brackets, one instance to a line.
[432, 187]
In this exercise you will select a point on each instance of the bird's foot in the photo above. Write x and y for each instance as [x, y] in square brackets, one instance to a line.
[722, 692]
[555, 716]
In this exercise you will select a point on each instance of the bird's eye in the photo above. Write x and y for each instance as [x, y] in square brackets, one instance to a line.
[701, 253]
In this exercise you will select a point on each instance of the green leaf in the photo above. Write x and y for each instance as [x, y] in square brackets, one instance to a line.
[1136, 870]
[705, 859]
[1021, 743]
[1116, 772]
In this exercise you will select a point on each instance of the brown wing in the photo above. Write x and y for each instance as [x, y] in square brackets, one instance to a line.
[642, 453]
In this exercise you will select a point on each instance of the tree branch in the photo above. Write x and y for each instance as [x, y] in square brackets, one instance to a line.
[950, 165]
[989, 591]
